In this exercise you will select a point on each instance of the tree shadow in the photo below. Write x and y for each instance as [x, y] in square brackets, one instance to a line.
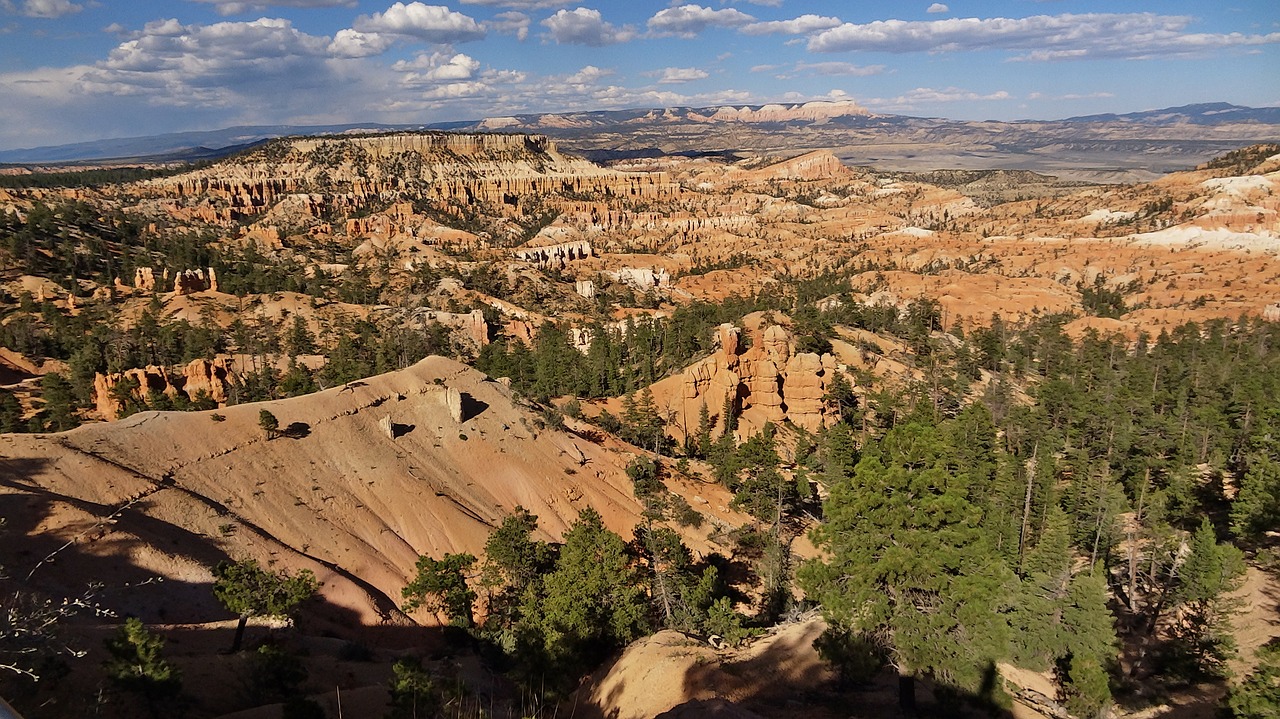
[296, 430]
[55, 547]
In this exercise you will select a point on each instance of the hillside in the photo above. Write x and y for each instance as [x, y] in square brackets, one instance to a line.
[736, 392]
[439, 486]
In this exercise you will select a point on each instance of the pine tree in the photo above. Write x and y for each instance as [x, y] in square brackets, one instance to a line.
[411, 691]
[1090, 646]
[269, 424]
[136, 663]
[592, 603]
[702, 441]
[248, 590]
[1258, 696]
[1202, 639]
[906, 560]
[1256, 508]
[728, 415]
[440, 585]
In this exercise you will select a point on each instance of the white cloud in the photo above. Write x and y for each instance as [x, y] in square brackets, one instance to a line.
[42, 8]
[439, 67]
[431, 23]
[350, 43]
[1070, 96]
[688, 20]
[802, 25]
[839, 68]
[235, 7]
[1046, 37]
[937, 8]
[677, 75]
[589, 74]
[585, 26]
[519, 4]
[931, 96]
[511, 23]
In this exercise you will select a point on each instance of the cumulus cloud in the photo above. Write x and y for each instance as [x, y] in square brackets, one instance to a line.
[931, 96]
[431, 23]
[41, 8]
[439, 67]
[688, 20]
[937, 8]
[1045, 37]
[511, 23]
[350, 43]
[585, 26]
[802, 25]
[839, 68]
[677, 75]
[589, 74]
[235, 7]
[519, 4]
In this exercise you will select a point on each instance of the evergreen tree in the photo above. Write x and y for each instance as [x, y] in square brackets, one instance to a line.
[839, 452]
[701, 444]
[592, 603]
[269, 424]
[906, 562]
[248, 590]
[1258, 696]
[1202, 640]
[841, 397]
[412, 692]
[59, 403]
[136, 664]
[10, 413]
[1256, 508]
[441, 586]
[1090, 646]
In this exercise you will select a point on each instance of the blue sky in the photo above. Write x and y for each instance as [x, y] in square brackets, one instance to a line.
[73, 70]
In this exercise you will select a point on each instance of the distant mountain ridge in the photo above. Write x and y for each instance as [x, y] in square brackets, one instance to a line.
[198, 144]
[612, 134]
[1206, 113]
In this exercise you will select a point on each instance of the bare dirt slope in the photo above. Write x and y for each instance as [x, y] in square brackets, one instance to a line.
[333, 494]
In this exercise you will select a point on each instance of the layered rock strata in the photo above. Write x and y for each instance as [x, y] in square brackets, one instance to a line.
[767, 383]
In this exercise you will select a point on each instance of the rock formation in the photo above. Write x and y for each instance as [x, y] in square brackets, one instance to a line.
[453, 402]
[643, 278]
[353, 171]
[210, 378]
[189, 282]
[555, 255]
[767, 382]
[471, 324]
[144, 279]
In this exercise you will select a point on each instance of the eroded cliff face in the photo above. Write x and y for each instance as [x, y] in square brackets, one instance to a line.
[211, 378]
[326, 174]
[768, 382]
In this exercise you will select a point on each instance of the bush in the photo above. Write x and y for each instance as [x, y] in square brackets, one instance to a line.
[855, 658]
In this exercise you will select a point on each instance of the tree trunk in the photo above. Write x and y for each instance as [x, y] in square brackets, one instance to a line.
[907, 692]
[235, 643]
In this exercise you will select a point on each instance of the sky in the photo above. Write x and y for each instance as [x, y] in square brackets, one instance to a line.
[78, 70]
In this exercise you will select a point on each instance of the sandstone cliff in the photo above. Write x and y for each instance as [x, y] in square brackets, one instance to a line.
[767, 382]
[343, 173]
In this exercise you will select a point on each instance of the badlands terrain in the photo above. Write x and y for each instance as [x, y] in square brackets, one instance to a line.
[447, 327]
